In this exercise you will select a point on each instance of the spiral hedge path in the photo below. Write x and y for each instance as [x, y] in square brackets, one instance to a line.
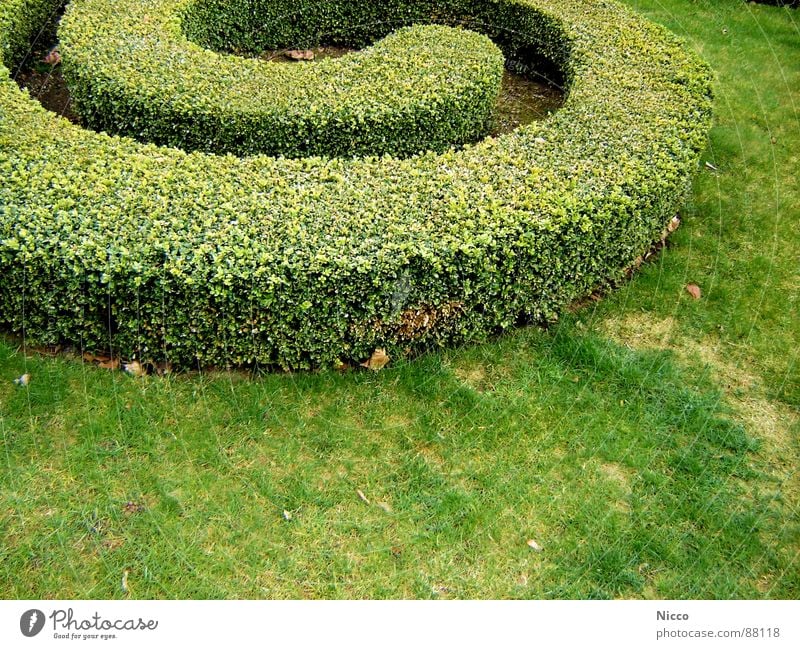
[207, 259]
[133, 71]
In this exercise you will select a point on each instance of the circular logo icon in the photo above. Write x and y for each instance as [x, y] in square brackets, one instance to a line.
[31, 622]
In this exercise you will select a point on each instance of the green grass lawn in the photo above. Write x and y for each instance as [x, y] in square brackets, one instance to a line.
[648, 444]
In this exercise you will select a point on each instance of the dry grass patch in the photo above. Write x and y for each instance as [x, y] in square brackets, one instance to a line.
[769, 420]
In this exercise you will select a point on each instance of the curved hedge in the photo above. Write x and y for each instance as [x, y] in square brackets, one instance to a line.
[794, 4]
[132, 71]
[207, 259]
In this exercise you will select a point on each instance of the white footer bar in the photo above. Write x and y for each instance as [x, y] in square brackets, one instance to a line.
[373, 625]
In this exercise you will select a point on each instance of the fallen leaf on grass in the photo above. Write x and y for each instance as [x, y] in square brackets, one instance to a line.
[51, 351]
[534, 545]
[377, 361]
[694, 291]
[96, 358]
[385, 507]
[135, 368]
[131, 507]
[163, 369]
[673, 225]
[362, 496]
[23, 380]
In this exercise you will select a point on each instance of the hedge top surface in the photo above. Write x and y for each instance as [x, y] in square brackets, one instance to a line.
[132, 69]
[214, 259]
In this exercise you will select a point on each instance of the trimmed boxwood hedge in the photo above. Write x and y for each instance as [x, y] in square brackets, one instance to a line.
[794, 4]
[212, 260]
[132, 71]
[18, 22]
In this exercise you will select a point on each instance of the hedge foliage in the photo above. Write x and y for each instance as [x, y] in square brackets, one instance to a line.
[132, 71]
[215, 260]
[18, 22]
[794, 4]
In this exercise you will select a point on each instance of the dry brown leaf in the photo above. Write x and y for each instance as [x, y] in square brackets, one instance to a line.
[300, 55]
[96, 358]
[534, 545]
[362, 496]
[163, 369]
[131, 507]
[377, 361]
[112, 364]
[673, 225]
[47, 351]
[52, 58]
[135, 368]
[694, 291]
